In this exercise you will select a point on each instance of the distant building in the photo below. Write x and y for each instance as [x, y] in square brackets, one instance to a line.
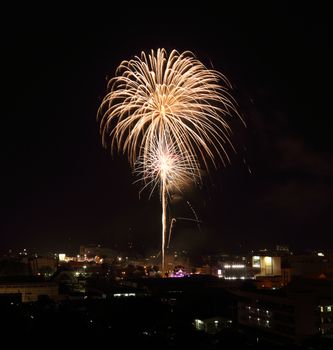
[271, 282]
[268, 272]
[268, 265]
[278, 271]
[30, 291]
[235, 270]
[230, 267]
[311, 265]
[43, 265]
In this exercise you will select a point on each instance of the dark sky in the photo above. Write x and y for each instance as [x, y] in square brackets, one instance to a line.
[60, 188]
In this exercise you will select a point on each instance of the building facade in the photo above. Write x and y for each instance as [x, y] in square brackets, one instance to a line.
[300, 311]
[30, 291]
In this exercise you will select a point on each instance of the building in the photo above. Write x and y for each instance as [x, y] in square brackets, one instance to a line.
[269, 272]
[230, 267]
[298, 312]
[30, 291]
[314, 265]
[273, 282]
[326, 316]
[235, 270]
[43, 265]
[267, 265]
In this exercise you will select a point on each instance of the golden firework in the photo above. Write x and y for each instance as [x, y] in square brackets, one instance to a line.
[175, 94]
[168, 113]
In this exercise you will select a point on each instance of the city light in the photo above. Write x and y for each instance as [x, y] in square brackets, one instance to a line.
[118, 295]
[268, 260]
[236, 266]
[256, 261]
[62, 257]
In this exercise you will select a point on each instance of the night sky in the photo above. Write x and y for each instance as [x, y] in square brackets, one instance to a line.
[60, 188]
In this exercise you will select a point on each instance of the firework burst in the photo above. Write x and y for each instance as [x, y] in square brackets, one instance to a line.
[168, 114]
[164, 166]
[154, 95]
[164, 163]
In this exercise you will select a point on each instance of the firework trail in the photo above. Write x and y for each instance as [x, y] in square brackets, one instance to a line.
[165, 166]
[174, 220]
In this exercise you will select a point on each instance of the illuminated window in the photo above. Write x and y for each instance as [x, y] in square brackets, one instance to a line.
[117, 295]
[62, 257]
[256, 261]
[329, 308]
[268, 261]
[199, 325]
[237, 266]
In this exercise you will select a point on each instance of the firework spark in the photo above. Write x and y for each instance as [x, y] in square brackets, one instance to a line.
[177, 95]
[167, 168]
[168, 113]
[164, 163]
